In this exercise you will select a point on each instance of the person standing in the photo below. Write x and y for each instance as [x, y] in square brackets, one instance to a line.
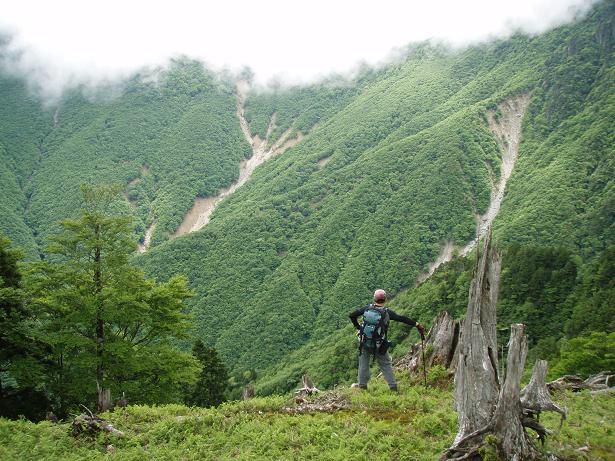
[373, 340]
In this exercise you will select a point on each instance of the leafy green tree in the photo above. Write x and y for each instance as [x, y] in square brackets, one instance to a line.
[212, 383]
[20, 370]
[586, 355]
[108, 326]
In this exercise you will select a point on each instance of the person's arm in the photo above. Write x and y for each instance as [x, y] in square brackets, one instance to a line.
[407, 320]
[354, 315]
[401, 318]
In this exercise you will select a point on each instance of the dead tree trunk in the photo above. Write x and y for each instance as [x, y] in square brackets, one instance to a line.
[440, 346]
[476, 379]
[484, 405]
[535, 397]
[248, 392]
[507, 423]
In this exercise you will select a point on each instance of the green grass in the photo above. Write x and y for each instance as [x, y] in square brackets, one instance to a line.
[416, 424]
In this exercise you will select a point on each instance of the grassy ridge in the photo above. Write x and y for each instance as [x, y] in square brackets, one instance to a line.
[417, 424]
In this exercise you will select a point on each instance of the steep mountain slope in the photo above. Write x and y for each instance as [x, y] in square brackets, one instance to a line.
[167, 135]
[23, 127]
[410, 160]
[393, 166]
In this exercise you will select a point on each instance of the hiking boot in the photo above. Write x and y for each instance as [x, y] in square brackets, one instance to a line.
[394, 389]
[357, 386]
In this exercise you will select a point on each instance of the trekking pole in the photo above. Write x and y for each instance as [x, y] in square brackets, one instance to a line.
[423, 351]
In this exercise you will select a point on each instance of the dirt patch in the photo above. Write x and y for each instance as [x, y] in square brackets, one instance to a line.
[147, 240]
[200, 213]
[445, 256]
[323, 161]
[507, 130]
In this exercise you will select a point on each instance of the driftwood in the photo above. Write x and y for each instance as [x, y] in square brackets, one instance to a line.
[308, 387]
[535, 397]
[486, 405]
[91, 424]
[440, 346]
[600, 381]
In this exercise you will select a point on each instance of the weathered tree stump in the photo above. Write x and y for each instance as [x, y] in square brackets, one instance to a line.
[122, 401]
[476, 379]
[483, 403]
[508, 419]
[104, 400]
[535, 397]
[440, 346]
[248, 392]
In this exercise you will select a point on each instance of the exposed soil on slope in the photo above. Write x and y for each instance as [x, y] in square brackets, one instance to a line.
[507, 129]
[508, 133]
[147, 239]
[203, 207]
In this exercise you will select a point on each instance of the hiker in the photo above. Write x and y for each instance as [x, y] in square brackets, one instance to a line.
[373, 341]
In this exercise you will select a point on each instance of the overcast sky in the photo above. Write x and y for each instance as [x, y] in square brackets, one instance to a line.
[93, 40]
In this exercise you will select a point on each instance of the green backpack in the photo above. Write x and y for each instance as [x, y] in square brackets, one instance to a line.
[374, 329]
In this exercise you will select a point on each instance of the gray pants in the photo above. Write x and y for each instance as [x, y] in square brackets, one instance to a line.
[384, 360]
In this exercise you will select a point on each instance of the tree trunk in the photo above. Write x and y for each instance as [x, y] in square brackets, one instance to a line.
[248, 392]
[507, 424]
[104, 395]
[535, 397]
[483, 404]
[104, 400]
[440, 346]
[476, 379]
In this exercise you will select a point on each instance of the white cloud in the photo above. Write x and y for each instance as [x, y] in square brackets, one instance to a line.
[67, 41]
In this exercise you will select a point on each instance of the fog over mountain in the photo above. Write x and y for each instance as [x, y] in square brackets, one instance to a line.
[61, 43]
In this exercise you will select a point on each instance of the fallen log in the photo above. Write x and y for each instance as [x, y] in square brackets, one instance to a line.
[91, 424]
[600, 381]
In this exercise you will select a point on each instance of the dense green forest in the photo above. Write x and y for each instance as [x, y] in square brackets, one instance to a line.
[369, 197]
[395, 162]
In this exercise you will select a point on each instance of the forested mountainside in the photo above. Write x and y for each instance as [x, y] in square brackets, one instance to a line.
[391, 167]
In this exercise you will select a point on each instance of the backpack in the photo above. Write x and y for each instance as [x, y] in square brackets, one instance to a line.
[374, 329]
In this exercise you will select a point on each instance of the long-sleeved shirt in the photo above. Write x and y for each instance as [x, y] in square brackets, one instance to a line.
[354, 315]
